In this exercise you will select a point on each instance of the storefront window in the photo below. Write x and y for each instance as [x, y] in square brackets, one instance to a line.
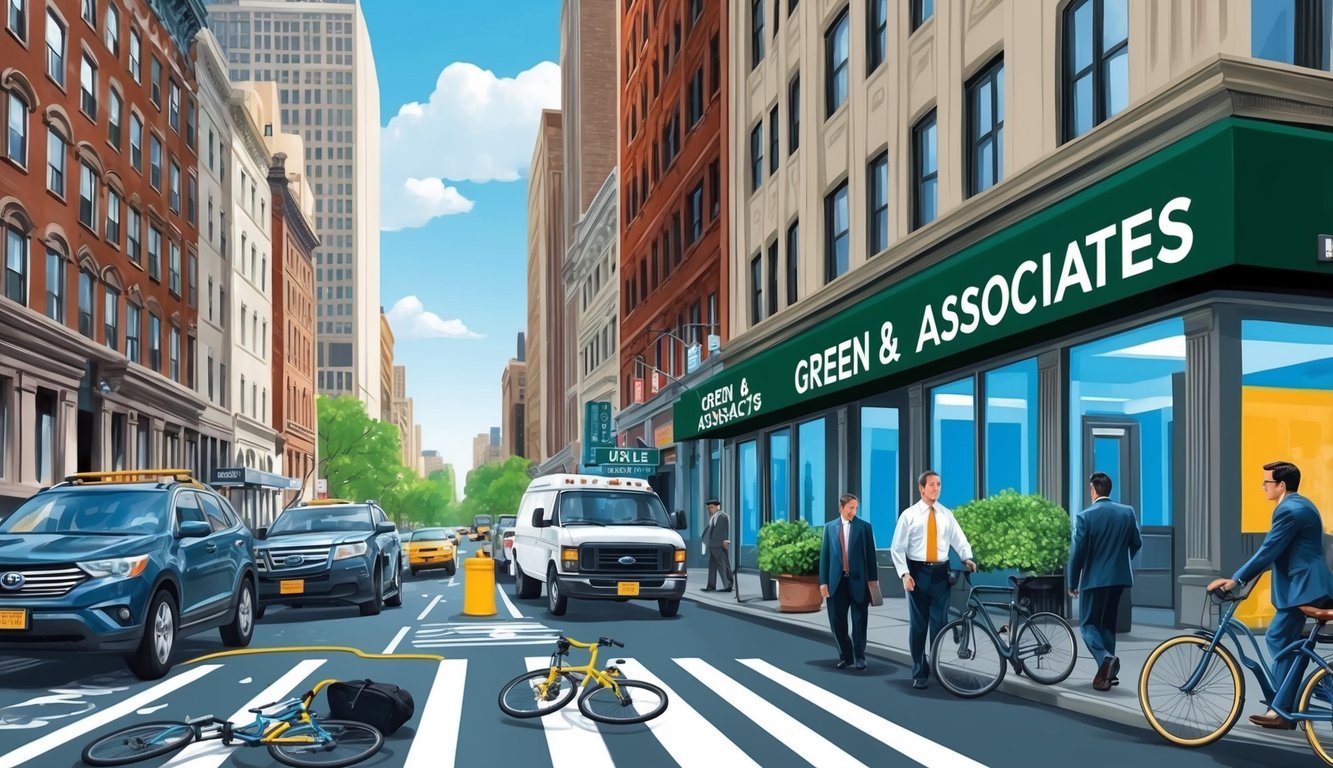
[747, 457]
[953, 442]
[1011, 428]
[779, 474]
[880, 476]
[715, 469]
[811, 491]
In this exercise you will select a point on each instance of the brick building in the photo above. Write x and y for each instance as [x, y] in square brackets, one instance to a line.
[98, 212]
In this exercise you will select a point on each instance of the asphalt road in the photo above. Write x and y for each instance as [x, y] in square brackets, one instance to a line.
[742, 693]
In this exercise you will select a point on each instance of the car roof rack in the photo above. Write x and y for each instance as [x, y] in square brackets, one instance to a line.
[325, 502]
[126, 476]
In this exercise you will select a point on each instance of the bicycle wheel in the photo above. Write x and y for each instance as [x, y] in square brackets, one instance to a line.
[336, 743]
[529, 695]
[1196, 717]
[138, 742]
[1317, 701]
[1045, 648]
[966, 659]
[634, 702]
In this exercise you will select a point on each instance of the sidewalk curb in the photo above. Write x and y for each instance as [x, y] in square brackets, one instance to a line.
[1053, 696]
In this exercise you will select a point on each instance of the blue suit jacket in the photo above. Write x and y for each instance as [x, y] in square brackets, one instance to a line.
[1294, 547]
[860, 558]
[1106, 538]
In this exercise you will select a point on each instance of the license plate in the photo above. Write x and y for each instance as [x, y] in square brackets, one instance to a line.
[15, 619]
[291, 587]
[629, 588]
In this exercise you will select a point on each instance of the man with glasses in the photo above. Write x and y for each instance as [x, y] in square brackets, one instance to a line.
[1294, 547]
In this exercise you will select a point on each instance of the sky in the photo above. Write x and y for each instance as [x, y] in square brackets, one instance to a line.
[462, 84]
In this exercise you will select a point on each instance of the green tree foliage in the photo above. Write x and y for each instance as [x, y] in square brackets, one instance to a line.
[1011, 530]
[789, 548]
[495, 488]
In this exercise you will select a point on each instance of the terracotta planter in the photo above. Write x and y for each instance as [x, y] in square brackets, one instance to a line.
[799, 594]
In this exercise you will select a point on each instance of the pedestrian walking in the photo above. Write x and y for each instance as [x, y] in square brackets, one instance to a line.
[717, 545]
[1106, 538]
[1294, 548]
[847, 571]
[921, 542]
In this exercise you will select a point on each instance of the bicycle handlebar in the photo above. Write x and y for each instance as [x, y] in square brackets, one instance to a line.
[607, 642]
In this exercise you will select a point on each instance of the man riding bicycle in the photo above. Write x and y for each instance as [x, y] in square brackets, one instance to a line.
[1294, 547]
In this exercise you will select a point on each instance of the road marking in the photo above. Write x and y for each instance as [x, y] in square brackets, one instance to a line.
[210, 754]
[687, 735]
[398, 638]
[484, 634]
[892, 735]
[436, 741]
[799, 738]
[572, 739]
[433, 603]
[39, 747]
[509, 605]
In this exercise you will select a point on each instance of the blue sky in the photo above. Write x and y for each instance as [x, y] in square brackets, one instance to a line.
[463, 152]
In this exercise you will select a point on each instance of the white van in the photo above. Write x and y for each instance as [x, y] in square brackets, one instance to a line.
[597, 538]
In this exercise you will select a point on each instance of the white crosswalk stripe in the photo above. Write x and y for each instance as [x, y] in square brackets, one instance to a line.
[436, 742]
[573, 740]
[687, 735]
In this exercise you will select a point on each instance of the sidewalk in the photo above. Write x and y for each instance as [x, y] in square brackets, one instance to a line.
[887, 639]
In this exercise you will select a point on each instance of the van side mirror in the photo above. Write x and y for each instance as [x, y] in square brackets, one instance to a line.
[539, 518]
[678, 519]
[261, 533]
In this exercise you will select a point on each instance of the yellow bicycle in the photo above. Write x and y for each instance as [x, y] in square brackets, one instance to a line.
[614, 700]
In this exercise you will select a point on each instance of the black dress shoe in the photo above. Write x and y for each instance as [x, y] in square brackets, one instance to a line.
[860, 663]
[920, 685]
[707, 589]
[843, 664]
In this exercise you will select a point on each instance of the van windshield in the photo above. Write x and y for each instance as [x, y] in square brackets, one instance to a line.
[611, 508]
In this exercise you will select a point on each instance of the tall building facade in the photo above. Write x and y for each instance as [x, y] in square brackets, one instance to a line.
[386, 368]
[403, 418]
[592, 284]
[547, 423]
[513, 401]
[675, 212]
[486, 448]
[98, 220]
[318, 53]
[431, 462]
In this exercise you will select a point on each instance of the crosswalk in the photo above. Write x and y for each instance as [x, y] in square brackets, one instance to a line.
[457, 718]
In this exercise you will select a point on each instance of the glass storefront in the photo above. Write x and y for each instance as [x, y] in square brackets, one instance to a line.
[1011, 428]
[779, 475]
[881, 480]
[747, 457]
[812, 490]
[953, 441]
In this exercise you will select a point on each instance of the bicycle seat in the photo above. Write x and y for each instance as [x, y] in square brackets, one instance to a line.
[1318, 614]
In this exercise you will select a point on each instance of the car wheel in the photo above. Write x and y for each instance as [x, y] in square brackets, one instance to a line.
[152, 659]
[259, 611]
[237, 634]
[396, 601]
[414, 571]
[525, 588]
[556, 602]
[668, 608]
[450, 568]
[375, 604]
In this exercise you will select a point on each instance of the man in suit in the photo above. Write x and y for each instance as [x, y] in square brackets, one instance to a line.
[1106, 538]
[1294, 547]
[715, 540]
[925, 532]
[847, 568]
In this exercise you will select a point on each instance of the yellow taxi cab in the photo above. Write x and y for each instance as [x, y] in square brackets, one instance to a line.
[432, 548]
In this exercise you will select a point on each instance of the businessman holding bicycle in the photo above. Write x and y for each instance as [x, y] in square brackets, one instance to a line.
[1294, 547]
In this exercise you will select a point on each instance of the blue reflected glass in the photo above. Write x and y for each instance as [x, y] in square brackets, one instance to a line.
[1082, 42]
[953, 440]
[880, 497]
[1273, 30]
[1117, 83]
[1011, 428]
[779, 474]
[1115, 23]
[1084, 118]
[811, 490]
[748, 477]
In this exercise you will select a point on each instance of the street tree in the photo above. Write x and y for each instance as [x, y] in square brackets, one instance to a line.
[495, 488]
[359, 456]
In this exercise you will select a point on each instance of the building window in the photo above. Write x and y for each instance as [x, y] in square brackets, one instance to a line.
[877, 199]
[55, 162]
[921, 10]
[112, 217]
[773, 139]
[192, 276]
[87, 196]
[835, 65]
[953, 438]
[175, 187]
[1292, 31]
[136, 56]
[16, 265]
[16, 134]
[985, 128]
[86, 281]
[696, 111]
[174, 269]
[113, 114]
[714, 64]
[155, 87]
[757, 156]
[751, 500]
[88, 87]
[45, 459]
[1096, 66]
[696, 205]
[836, 233]
[155, 162]
[112, 31]
[133, 227]
[154, 342]
[89, 12]
[881, 466]
[175, 352]
[154, 253]
[773, 278]
[55, 285]
[55, 48]
[794, 113]
[174, 106]
[714, 189]
[811, 460]
[111, 317]
[877, 33]
[132, 332]
[756, 32]
[1010, 439]
[756, 288]
[925, 171]
[136, 142]
[18, 24]
[793, 261]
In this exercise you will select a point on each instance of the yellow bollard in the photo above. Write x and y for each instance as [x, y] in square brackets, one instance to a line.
[478, 586]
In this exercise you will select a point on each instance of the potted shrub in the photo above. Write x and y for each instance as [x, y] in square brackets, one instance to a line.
[1027, 533]
[790, 551]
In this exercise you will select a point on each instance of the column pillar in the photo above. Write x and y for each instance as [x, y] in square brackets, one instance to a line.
[26, 400]
[1052, 453]
[67, 435]
[916, 437]
[104, 460]
[157, 442]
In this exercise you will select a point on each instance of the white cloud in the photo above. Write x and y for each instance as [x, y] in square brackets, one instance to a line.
[476, 127]
[409, 318]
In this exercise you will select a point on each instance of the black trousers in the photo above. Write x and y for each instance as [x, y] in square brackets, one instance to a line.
[717, 563]
[927, 607]
[839, 603]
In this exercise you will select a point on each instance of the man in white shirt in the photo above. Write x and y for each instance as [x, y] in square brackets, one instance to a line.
[921, 541]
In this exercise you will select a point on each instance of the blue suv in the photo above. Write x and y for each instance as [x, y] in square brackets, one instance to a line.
[125, 563]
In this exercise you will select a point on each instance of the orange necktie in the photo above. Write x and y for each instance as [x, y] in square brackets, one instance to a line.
[932, 545]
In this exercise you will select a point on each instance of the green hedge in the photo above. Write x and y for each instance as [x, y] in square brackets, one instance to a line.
[789, 548]
[1011, 530]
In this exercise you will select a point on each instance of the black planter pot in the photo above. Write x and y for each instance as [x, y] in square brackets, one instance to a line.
[768, 587]
[1044, 594]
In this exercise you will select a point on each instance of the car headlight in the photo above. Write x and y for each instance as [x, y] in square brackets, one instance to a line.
[345, 551]
[115, 567]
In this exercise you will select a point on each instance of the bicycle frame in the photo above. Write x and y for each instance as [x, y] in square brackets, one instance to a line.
[269, 729]
[590, 672]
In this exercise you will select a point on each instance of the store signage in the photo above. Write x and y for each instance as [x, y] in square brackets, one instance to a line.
[596, 427]
[229, 477]
[1326, 248]
[692, 360]
[644, 456]
[620, 470]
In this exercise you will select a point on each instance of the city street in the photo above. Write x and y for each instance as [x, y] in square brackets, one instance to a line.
[742, 693]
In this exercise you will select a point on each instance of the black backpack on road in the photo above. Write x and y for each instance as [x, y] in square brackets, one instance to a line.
[382, 705]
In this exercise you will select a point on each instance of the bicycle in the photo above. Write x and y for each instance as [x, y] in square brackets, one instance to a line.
[1173, 687]
[968, 655]
[543, 691]
[293, 734]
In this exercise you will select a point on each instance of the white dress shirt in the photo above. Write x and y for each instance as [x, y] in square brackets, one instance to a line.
[909, 537]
